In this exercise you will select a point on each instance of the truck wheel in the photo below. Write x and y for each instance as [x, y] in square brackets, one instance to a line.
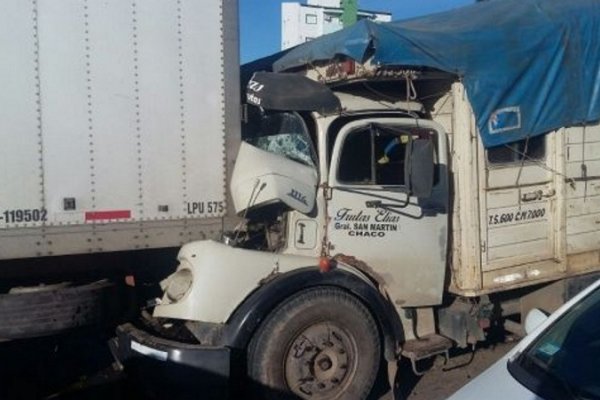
[321, 344]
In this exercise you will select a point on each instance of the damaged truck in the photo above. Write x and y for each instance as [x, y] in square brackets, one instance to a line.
[403, 186]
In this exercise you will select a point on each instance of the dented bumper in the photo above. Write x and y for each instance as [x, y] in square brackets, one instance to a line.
[134, 343]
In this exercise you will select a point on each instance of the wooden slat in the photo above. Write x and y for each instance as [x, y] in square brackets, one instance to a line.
[582, 190]
[540, 247]
[584, 224]
[583, 242]
[516, 234]
[503, 198]
[588, 152]
[583, 206]
[574, 169]
[514, 174]
[517, 215]
[575, 134]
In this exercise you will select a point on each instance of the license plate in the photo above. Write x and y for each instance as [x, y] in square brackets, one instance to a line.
[149, 351]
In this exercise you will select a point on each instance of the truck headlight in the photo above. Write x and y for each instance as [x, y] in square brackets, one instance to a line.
[179, 284]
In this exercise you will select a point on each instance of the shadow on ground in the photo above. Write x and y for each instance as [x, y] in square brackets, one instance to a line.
[78, 365]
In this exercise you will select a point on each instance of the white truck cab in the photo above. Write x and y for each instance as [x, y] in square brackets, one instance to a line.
[363, 190]
[370, 175]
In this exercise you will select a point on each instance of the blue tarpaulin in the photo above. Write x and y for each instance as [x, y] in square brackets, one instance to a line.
[529, 66]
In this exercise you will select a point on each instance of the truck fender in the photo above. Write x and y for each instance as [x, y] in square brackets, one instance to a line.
[249, 315]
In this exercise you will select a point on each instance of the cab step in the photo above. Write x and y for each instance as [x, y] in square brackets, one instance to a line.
[426, 347]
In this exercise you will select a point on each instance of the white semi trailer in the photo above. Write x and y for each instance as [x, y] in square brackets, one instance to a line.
[119, 122]
[377, 225]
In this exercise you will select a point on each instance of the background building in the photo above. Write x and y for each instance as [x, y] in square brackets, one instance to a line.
[303, 22]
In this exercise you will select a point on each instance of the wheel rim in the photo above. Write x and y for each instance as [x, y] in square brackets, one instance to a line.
[320, 362]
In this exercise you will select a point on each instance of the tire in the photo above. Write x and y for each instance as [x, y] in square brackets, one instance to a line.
[321, 344]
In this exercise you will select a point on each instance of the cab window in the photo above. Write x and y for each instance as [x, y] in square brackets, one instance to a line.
[375, 155]
[531, 149]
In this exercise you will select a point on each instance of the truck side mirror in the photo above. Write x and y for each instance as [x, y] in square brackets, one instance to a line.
[419, 167]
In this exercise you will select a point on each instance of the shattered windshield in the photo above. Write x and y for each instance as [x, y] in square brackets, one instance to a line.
[281, 133]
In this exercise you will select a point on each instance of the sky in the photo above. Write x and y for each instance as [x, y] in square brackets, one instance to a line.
[260, 20]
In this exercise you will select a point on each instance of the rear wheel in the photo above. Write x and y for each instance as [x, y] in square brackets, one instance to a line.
[321, 344]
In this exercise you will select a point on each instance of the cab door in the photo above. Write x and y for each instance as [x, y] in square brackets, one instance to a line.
[374, 217]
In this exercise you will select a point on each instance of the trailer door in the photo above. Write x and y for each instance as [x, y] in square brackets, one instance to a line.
[519, 208]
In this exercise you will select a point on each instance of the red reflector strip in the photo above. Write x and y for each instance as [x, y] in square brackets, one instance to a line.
[103, 215]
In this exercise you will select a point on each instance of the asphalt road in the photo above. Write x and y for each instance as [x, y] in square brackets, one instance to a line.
[441, 381]
[78, 366]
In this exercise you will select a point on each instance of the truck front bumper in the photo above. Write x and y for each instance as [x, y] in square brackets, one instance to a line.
[132, 342]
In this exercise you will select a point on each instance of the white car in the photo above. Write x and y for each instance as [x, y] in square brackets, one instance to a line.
[558, 360]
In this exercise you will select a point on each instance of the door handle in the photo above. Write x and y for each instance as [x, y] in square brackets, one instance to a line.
[537, 195]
